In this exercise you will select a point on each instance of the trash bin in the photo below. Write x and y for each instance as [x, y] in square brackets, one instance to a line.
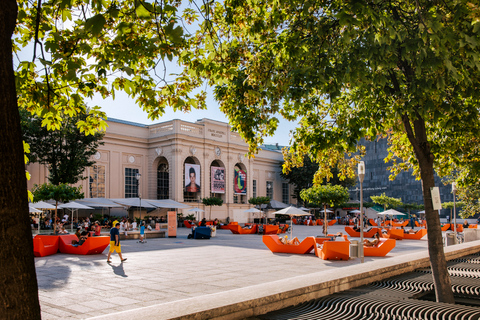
[353, 249]
[450, 239]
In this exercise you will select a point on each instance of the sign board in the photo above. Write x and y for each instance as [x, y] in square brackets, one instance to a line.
[218, 179]
[437, 203]
[172, 224]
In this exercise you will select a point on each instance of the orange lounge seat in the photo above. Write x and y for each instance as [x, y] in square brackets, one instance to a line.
[273, 243]
[400, 224]
[234, 223]
[334, 250]
[282, 228]
[446, 226]
[44, 245]
[93, 245]
[472, 226]
[459, 227]
[294, 221]
[392, 233]
[380, 250]
[236, 229]
[372, 222]
[188, 224]
[270, 229]
[319, 222]
[356, 234]
[415, 236]
[332, 222]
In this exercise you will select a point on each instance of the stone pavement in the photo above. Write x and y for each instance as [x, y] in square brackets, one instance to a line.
[172, 277]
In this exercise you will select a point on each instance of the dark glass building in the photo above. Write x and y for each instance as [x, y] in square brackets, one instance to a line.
[405, 186]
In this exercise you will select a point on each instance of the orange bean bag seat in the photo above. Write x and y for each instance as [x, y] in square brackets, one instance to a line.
[275, 245]
[236, 229]
[415, 236]
[44, 245]
[356, 234]
[93, 245]
[380, 250]
[392, 233]
[334, 250]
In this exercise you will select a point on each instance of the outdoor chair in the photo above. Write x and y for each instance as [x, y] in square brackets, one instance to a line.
[275, 245]
[415, 236]
[334, 250]
[44, 245]
[381, 249]
[93, 245]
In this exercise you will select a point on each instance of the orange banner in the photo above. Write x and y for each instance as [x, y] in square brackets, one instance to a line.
[172, 224]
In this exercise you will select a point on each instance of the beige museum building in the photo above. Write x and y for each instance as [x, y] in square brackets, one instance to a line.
[160, 161]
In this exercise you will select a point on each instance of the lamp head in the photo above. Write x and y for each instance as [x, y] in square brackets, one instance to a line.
[454, 187]
[137, 176]
[361, 170]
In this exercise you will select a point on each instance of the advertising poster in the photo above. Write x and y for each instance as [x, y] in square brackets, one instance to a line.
[240, 181]
[218, 179]
[192, 177]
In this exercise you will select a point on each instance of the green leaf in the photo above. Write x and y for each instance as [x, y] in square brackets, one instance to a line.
[95, 24]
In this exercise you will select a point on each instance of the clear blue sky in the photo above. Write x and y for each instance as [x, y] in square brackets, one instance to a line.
[125, 108]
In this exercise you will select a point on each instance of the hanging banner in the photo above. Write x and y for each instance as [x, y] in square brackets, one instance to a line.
[240, 181]
[192, 177]
[172, 224]
[218, 179]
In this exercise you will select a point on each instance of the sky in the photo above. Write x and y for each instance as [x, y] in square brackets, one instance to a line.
[124, 108]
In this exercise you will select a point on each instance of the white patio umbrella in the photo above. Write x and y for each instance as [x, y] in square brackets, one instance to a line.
[33, 209]
[253, 210]
[41, 205]
[292, 211]
[391, 212]
[197, 210]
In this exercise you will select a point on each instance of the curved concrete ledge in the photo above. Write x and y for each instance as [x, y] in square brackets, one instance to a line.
[260, 299]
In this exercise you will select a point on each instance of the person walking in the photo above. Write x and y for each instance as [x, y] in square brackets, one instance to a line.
[115, 243]
[142, 232]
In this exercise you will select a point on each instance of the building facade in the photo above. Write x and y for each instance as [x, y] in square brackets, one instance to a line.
[182, 161]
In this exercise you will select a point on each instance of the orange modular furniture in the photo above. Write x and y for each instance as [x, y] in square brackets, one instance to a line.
[356, 234]
[309, 222]
[400, 224]
[446, 227]
[423, 224]
[93, 245]
[273, 243]
[380, 250]
[188, 224]
[372, 222]
[294, 221]
[270, 229]
[44, 245]
[334, 250]
[236, 229]
[234, 223]
[459, 227]
[472, 226]
[319, 222]
[415, 236]
[332, 222]
[394, 234]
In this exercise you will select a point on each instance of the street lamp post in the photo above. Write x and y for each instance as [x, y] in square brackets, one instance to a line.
[361, 176]
[137, 176]
[454, 191]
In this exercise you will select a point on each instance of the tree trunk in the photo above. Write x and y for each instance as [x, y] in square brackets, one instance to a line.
[18, 282]
[418, 138]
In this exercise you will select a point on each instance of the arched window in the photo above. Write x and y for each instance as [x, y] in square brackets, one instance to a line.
[163, 190]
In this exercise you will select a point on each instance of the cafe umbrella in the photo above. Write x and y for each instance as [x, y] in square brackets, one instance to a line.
[292, 212]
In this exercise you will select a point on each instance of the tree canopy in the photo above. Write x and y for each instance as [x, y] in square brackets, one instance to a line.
[66, 151]
[406, 70]
[387, 202]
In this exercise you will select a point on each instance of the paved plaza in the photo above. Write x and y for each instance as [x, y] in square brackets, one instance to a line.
[167, 277]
